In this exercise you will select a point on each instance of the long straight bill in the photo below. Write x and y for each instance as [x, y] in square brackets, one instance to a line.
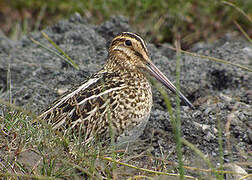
[166, 82]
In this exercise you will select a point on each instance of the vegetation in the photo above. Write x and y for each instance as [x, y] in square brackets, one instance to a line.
[35, 151]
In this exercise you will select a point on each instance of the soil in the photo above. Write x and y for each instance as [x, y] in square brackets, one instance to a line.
[221, 92]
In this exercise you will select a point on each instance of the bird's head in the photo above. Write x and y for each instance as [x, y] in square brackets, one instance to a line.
[128, 52]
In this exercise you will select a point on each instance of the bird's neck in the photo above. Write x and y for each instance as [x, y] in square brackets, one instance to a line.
[122, 60]
[124, 70]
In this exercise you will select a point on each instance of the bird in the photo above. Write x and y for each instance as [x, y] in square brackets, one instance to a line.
[117, 99]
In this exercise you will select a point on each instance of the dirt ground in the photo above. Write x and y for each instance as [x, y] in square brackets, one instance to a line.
[219, 91]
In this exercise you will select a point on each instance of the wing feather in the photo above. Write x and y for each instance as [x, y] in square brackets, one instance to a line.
[85, 106]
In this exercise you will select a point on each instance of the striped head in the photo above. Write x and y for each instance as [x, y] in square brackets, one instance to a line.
[128, 52]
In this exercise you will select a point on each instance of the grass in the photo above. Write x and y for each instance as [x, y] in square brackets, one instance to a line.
[177, 123]
[55, 155]
[59, 157]
[156, 19]
[55, 158]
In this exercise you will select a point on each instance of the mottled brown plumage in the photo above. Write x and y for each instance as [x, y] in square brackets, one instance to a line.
[118, 95]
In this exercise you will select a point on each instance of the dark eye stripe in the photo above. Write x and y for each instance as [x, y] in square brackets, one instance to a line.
[138, 54]
[114, 42]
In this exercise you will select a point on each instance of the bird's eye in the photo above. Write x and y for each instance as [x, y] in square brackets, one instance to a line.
[128, 43]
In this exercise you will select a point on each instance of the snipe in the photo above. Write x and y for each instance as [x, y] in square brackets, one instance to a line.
[118, 96]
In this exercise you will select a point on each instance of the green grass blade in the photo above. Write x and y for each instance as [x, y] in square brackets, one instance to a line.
[220, 142]
[243, 32]
[69, 60]
[54, 52]
[178, 119]
[214, 59]
[198, 152]
[238, 9]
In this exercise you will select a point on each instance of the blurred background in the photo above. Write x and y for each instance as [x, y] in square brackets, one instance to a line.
[157, 20]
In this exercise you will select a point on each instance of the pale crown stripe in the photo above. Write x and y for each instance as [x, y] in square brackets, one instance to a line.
[142, 41]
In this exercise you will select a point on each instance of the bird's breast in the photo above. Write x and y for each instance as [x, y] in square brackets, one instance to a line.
[132, 105]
